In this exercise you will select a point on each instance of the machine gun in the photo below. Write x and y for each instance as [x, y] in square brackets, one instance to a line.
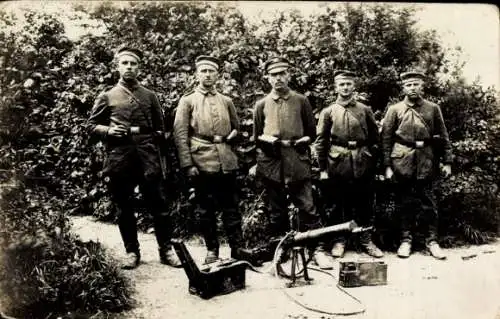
[292, 246]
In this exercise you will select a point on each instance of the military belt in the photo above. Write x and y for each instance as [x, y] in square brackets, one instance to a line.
[136, 130]
[212, 139]
[287, 143]
[350, 144]
[415, 144]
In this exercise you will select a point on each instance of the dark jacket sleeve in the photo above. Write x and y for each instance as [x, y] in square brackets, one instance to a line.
[373, 135]
[98, 122]
[181, 132]
[323, 131]
[258, 119]
[388, 129]
[308, 119]
[233, 115]
[443, 133]
[157, 114]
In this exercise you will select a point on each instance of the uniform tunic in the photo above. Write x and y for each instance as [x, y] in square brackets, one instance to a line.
[117, 106]
[207, 114]
[421, 121]
[338, 124]
[287, 117]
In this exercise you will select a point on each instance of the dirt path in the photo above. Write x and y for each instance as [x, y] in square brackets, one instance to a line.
[419, 287]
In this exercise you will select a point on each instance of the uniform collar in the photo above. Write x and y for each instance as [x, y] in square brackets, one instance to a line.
[129, 84]
[345, 103]
[275, 95]
[204, 91]
[417, 102]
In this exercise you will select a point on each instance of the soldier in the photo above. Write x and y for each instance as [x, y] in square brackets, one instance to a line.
[128, 118]
[283, 129]
[346, 148]
[205, 127]
[414, 139]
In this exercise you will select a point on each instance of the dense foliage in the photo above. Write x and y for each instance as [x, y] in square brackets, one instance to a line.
[49, 83]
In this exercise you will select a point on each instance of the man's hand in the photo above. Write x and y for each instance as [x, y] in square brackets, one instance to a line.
[193, 171]
[323, 175]
[389, 173]
[253, 170]
[117, 130]
[446, 170]
[305, 140]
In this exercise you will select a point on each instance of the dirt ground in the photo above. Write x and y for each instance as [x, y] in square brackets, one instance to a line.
[419, 287]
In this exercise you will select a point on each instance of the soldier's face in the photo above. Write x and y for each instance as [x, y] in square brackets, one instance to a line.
[279, 80]
[413, 88]
[128, 67]
[344, 87]
[206, 75]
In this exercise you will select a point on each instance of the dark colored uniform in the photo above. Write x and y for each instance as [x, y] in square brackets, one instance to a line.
[134, 159]
[287, 117]
[346, 148]
[200, 116]
[414, 137]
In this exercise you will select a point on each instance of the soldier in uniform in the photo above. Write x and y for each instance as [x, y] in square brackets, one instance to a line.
[205, 128]
[283, 130]
[128, 118]
[414, 140]
[346, 148]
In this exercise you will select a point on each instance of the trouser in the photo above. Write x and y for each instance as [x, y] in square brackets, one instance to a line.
[415, 200]
[300, 194]
[121, 188]
[218, 192]
[349, 200]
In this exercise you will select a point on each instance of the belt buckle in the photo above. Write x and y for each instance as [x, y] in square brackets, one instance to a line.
[286, 143]
[352, 144]
[419, 144]
[218, 138]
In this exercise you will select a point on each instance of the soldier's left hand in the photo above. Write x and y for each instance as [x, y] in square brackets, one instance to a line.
[323, 175]
[446, 169]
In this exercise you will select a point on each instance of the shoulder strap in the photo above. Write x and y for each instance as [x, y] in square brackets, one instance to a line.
[419, 116]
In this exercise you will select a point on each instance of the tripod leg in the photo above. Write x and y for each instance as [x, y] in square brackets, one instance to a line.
[294, 264]
[304, 264]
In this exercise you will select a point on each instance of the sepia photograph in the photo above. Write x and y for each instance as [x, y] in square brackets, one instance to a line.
[249, 159]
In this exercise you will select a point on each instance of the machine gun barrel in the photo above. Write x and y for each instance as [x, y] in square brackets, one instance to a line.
[349, 226]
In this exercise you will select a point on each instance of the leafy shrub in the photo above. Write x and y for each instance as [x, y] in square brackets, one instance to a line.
[45, 271]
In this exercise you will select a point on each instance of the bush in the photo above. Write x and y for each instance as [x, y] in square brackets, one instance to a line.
[45, 271]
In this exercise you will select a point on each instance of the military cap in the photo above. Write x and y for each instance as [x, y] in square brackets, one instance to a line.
[128, 50]
[345, 74]
[278, 64]
[413, 74]
[207, 60]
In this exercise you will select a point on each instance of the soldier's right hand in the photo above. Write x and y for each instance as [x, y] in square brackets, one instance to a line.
[117, 130]
[192, 171]
[389, 173]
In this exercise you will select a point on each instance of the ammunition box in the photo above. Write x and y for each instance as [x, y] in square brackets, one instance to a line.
[218, 278]
[357, 274]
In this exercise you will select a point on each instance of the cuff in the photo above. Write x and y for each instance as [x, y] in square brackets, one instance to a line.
[101, 129]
